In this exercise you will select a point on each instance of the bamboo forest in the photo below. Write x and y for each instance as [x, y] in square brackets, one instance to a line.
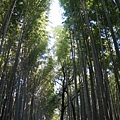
[78, 78]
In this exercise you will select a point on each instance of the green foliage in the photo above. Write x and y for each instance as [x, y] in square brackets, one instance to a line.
[62, 44]
[87, 65]
[23, 44]
[93, 27]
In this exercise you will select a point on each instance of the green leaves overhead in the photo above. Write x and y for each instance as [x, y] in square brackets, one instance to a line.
[23, 44]
[93, 37]
[85, 66]
[62, 43]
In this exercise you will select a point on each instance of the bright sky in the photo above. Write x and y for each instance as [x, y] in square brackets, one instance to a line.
[55, 18]
[55, 15]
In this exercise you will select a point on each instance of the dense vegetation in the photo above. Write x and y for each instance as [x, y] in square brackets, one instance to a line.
[91, 68]
[85, 61]
[26, 85]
